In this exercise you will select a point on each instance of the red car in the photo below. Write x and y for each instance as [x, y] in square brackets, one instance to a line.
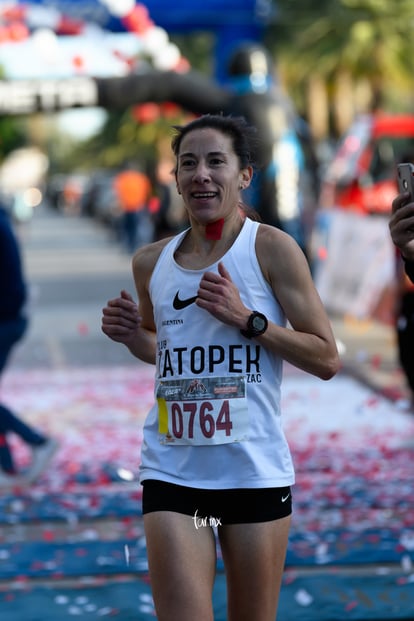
[361, 176]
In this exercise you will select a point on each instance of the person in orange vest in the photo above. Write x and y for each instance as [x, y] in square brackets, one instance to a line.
[133, 190]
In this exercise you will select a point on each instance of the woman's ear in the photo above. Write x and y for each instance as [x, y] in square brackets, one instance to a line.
[245, 177]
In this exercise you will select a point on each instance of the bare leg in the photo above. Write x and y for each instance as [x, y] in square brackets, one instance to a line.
[182, 564]
[254, 557]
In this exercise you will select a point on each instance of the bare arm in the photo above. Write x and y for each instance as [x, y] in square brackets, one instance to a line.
[309, 343]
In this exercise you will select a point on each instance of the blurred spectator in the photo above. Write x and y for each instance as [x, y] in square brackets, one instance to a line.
[133, 189]
[72, 194]
[13, 325]
[171, 217]
[405, 326]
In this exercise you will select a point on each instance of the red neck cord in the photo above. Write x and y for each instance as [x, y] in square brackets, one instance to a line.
[214, 229]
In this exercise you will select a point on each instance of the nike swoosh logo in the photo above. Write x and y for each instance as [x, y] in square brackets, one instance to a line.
[284, 498]
[180, 304]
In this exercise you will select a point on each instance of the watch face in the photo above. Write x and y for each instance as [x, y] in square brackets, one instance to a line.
[258, 323]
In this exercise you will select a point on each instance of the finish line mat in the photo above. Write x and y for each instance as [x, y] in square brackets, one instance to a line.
[308, 598]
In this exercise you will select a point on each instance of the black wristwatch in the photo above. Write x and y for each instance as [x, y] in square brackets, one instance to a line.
[256, 325]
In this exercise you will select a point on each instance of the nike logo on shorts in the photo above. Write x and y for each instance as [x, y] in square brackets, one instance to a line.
[284, 498]
[179, 304]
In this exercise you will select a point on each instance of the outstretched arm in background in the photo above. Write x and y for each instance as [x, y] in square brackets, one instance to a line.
[401, 225]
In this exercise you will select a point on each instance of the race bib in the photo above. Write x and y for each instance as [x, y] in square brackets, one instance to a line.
[203, 411]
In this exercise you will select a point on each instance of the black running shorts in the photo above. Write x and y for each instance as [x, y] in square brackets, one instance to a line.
[218, 507]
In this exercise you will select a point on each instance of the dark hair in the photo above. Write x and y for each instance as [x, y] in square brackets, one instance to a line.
[242, 134]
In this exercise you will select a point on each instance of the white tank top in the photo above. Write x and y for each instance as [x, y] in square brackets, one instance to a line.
[216, 421]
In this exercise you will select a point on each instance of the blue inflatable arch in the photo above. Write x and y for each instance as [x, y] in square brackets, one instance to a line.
[231, 21]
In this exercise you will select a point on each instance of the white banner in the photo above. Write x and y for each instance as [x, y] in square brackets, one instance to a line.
[358, 264]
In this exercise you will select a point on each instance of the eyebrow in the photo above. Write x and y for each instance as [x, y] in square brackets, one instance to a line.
[211, 154]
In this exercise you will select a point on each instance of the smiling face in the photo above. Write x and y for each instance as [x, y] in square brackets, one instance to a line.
[209, 176]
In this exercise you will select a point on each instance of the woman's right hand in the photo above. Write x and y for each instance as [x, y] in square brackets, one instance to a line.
[121, 319]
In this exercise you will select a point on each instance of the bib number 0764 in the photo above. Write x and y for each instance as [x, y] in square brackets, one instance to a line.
[185, 415]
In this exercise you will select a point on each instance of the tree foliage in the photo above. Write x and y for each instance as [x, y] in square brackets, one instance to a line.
[369, 39]
[12, 135]
[12, 132]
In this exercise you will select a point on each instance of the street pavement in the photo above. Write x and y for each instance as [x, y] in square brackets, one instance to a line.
[74, 265]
